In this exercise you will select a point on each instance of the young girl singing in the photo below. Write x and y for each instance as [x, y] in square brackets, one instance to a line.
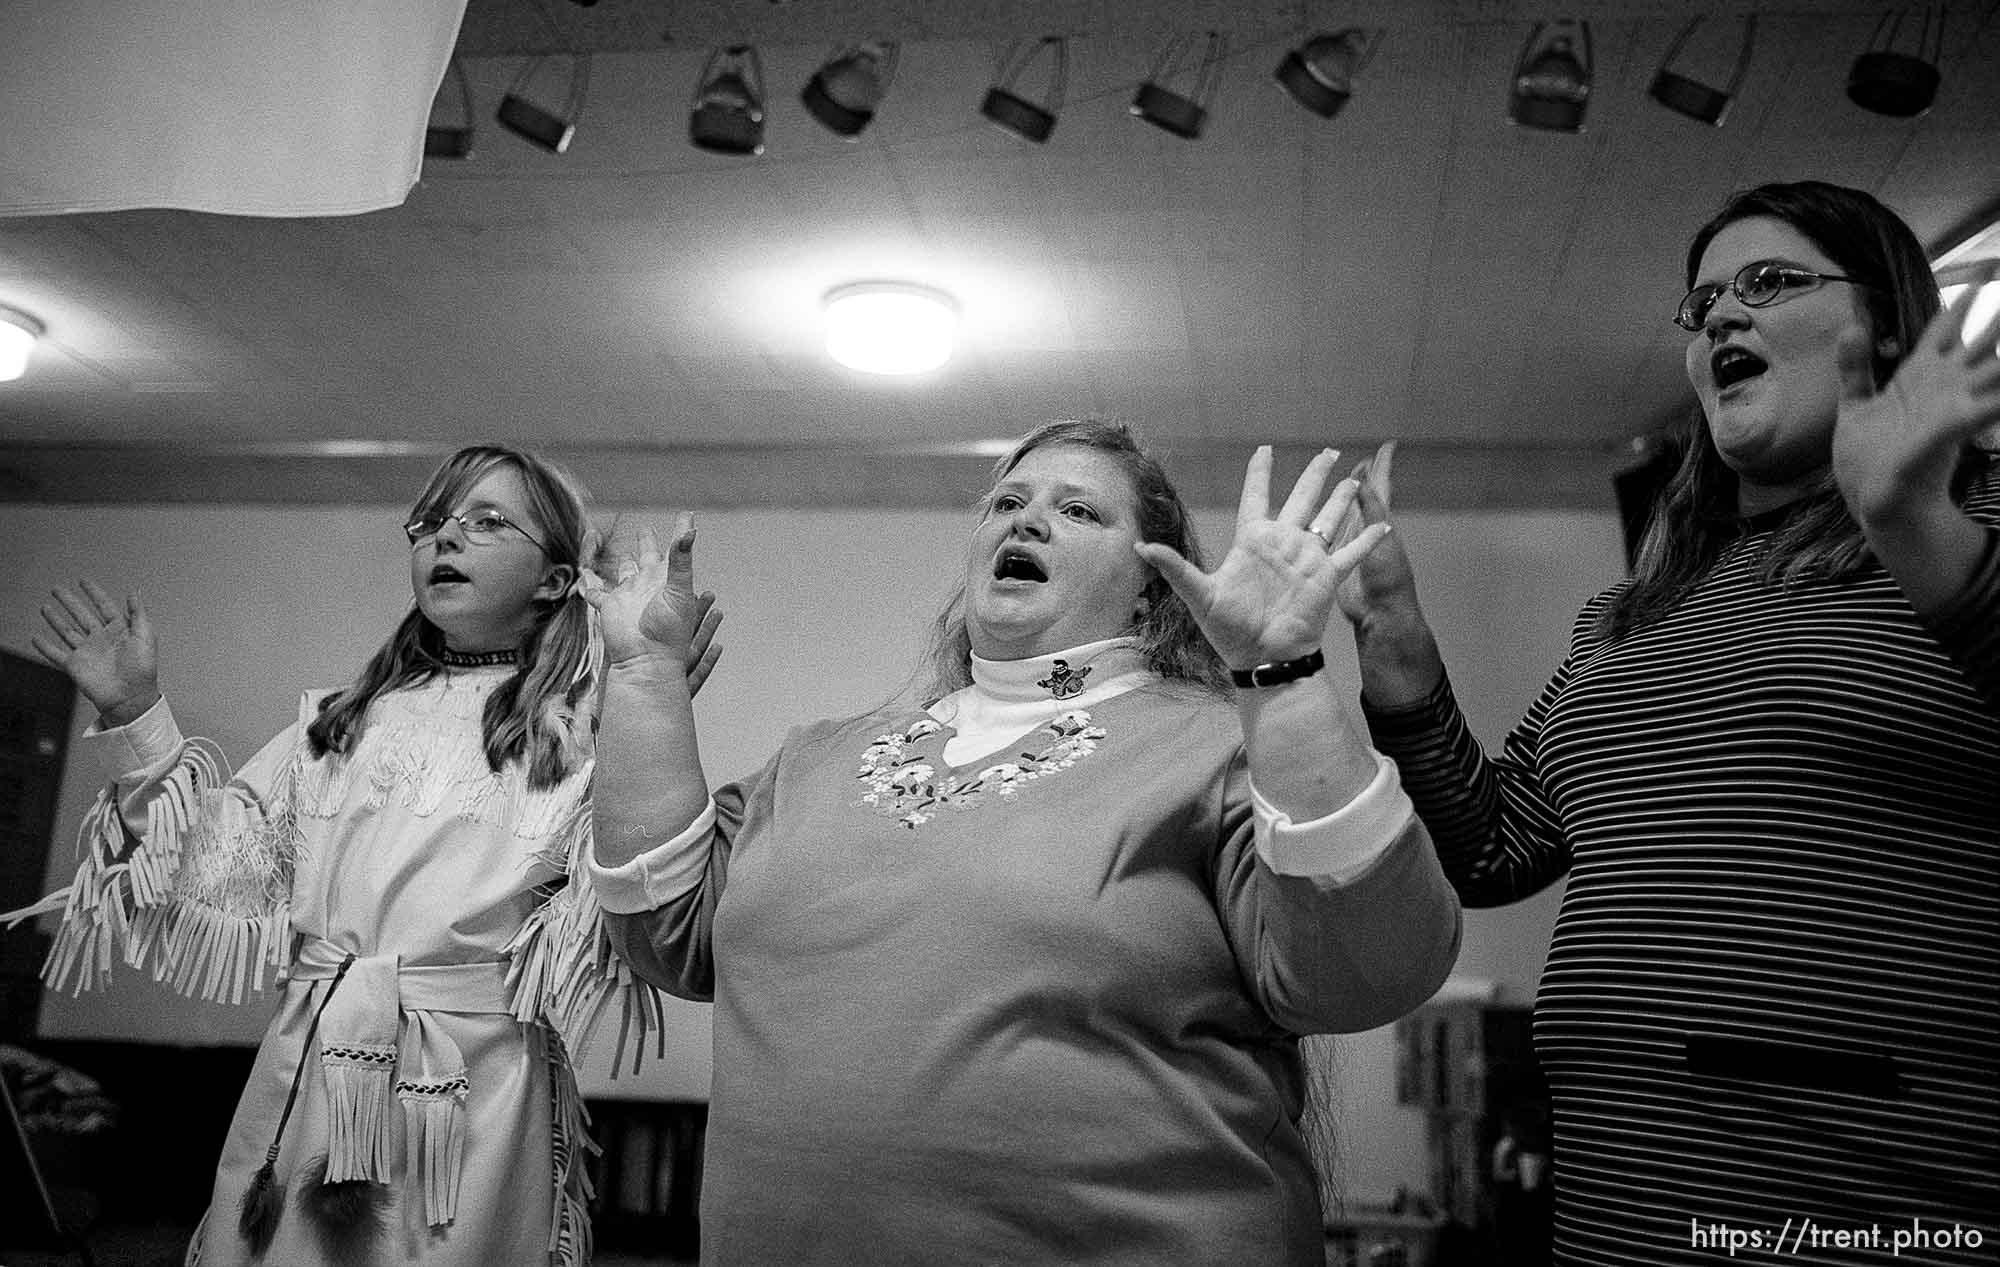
[406, 856]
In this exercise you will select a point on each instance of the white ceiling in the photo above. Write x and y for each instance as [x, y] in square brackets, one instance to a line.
[1415, 267]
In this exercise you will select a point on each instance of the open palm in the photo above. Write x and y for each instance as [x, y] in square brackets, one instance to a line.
[650, 607]
[1904, 439]
[106, 647]
[1272, 594]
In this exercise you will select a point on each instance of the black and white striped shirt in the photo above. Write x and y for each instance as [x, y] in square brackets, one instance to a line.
[1773, 992]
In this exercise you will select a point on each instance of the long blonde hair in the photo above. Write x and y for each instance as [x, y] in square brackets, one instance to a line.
[542, 715]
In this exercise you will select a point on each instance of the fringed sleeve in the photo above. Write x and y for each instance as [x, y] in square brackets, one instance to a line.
[562, 969]
[181, 867]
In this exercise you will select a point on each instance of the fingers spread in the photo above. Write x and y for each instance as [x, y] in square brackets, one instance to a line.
[1187, 580]
[79, 609]
[1347, 556]
[60, 624]
[699, 671]
[711, 618]
[1339, 509]
[53, 652]
[1305, 494]
[1256, 498]
[101, 602]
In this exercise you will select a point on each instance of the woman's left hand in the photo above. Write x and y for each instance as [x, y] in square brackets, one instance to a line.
[1894, 449]
[1273, 593]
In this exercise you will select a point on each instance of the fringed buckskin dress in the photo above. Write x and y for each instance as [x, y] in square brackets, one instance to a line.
[436, 952]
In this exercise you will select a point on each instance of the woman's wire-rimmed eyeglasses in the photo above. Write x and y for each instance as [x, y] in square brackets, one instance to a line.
[1755, 285]
[480, 528]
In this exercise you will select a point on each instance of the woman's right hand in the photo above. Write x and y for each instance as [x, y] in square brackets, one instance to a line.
[649, 608]
[108, 651]
[1398, 654]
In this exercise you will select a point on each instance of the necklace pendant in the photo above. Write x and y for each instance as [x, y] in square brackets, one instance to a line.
[1064, 682]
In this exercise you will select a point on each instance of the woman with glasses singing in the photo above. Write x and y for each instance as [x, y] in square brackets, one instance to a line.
[1769, 769]
[407, 856]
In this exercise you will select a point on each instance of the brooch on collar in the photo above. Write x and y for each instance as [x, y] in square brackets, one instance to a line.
[1064, 682]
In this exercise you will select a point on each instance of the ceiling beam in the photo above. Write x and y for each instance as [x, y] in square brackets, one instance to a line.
[1429, 476]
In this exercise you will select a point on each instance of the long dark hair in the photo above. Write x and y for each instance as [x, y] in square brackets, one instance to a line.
[1695, 516]
[1167, 634]
[541, 714]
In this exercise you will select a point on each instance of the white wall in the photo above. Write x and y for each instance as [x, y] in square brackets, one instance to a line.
[826, 612]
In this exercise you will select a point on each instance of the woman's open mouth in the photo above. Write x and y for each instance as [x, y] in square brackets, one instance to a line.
[1018, 565]
[1732, 366]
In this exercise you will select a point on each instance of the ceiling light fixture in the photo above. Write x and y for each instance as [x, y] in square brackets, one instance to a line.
[728, 114]
[847, 90]
[18, 332]
[1900, 85]
[452, 140]
[1011, 112]
[544, 127]
[1552, 86]
[1182, 114]
[890, 327]
[1692, 98]
[1319, 73]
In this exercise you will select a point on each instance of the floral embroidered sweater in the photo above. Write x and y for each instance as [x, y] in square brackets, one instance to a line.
[1036, 1005]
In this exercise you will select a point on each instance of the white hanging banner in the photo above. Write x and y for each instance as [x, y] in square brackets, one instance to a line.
[241, 107]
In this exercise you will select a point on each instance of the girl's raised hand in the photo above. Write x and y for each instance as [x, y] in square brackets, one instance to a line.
[107, 649]
[1272, 594]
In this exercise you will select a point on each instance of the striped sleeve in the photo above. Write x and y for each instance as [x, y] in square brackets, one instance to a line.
[1969, 629]
[1495, 831]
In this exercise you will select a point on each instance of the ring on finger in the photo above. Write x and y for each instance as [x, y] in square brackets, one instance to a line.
[1325, 537]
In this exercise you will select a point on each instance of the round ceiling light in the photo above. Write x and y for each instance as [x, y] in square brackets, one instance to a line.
[890, 327]
[18, 332]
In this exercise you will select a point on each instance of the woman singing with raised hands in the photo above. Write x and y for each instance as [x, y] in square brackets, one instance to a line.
[1019, 975]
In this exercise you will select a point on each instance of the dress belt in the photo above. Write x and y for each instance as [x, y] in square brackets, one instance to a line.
[441, 987]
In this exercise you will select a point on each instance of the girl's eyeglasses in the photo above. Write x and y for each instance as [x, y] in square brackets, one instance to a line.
[1754, 286]
[480, 528]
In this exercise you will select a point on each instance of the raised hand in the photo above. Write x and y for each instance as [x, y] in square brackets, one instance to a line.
[650, 607]
[1383, 586]
[1397, 652]
[107, 649]
[1272, 594]
[1894, 449]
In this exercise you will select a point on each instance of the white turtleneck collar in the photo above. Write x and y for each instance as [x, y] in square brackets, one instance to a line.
[1009, 698]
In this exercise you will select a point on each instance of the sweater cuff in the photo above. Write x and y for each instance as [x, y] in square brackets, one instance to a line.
[1343, 845]
[657, 876]
[150, 741]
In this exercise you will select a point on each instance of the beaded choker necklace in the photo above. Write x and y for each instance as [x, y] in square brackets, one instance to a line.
[473, 659]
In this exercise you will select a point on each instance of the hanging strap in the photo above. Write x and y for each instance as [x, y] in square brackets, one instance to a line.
[368, 1057]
